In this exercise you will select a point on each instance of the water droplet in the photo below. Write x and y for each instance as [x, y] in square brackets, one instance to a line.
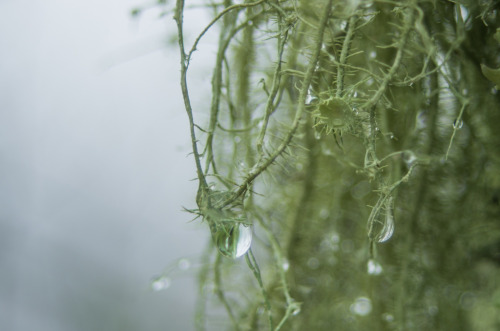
[458, 124]
[317, 135]
[464, 12]
[381, 224]
[355, 94]
[388, 228]
[362, 306]
[311, 100]
[313, 263]
[388, 317]
[392, 136]
[343, 25]
[237, 139]
[235, 242]
[184, 264]
[324, 213]
[335, 238]
[373, 54]
[467, 300]
[285, 265]
[160, 283]
[374, 267]
[326, 151]
[296, 311]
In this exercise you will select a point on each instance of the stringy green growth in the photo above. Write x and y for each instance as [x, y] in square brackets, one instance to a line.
[394, 226]
[231, 230]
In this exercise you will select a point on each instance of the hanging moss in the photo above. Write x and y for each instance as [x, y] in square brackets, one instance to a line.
[368, 133]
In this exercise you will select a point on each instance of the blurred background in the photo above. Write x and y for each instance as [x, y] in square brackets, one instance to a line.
[95, 168]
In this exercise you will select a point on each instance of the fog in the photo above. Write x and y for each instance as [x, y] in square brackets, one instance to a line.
[94, 168]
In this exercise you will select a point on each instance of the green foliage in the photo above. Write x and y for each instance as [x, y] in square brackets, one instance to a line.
[360, 138]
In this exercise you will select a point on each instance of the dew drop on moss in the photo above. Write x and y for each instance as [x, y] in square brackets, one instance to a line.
[362, 306]
[388, 228]
[235, 242]
[184, 264]
[458, 124]
[381, 228]
[160, 283]
[285, 265]
[374, 267]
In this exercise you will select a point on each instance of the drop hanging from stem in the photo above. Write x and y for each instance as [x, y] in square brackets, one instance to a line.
[381, 225]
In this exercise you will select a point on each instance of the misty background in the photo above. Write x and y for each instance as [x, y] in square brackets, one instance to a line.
[95, 168]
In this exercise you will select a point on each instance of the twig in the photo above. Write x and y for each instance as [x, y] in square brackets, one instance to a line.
[222, 13]
[263, 164]
[343, 55]
[178, 17]
[252, 264]
[220, 292]
[283, 36]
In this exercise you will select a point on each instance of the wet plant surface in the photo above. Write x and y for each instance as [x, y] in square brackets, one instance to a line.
[359, 142]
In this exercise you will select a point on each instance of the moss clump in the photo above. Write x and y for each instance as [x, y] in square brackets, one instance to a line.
[331, 115]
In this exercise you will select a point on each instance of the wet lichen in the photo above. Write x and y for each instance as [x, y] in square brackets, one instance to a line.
[369, 134]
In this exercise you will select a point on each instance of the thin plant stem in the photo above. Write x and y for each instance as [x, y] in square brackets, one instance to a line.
[252, 264]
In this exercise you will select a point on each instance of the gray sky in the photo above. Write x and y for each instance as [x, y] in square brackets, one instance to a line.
[94, 167]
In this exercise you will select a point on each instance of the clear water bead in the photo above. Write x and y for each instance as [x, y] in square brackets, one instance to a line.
[313, 263]
[388, 317]
[183, 264]
[285, 265]
[388, 228]
[235, 242]
[458, 124]
[161, 283]
[374, 267]
[362, 306]
[381, 222]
